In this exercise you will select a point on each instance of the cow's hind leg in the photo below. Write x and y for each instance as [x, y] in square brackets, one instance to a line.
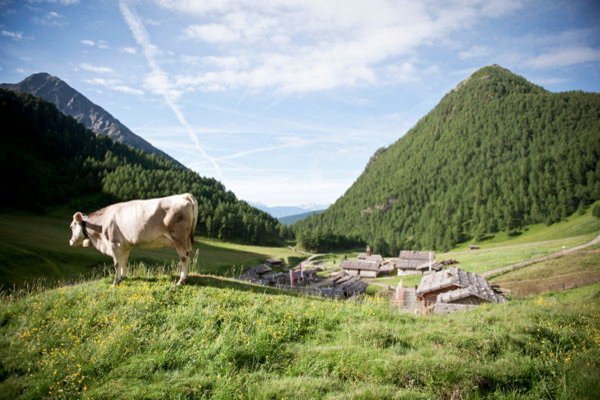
[120, 259]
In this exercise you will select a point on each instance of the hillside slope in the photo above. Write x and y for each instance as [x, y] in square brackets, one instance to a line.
[49, 160]
[215, 338]
[70, 102]
[496, 154]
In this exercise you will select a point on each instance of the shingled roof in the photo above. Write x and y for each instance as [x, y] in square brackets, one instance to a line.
[361, 265]
[465, 284]
[373, 257]
[410, 259]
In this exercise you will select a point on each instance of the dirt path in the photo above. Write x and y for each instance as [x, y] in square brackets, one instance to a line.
[499, 271]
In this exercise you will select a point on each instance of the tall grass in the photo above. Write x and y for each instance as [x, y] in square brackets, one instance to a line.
[216, 338]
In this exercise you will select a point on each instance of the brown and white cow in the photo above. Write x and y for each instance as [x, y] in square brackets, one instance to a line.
[116, 229]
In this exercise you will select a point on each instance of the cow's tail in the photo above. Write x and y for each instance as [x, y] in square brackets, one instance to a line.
[194, 202]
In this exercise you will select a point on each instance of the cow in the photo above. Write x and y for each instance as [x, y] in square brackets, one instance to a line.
[116, 229]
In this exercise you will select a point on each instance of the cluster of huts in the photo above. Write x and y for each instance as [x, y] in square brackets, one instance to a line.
[408, 262]
[339, 285]
[443, 288]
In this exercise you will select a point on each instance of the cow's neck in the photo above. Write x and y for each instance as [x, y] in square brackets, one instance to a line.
[93, 231]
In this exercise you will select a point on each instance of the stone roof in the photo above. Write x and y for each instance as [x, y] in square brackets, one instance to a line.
[465, 284]
[261, 269]
[417, 255]
[374, 257]
[484, 293]
[361, 265]
[410, 259]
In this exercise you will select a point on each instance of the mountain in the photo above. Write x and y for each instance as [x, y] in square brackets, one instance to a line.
[292, 219]
[496, 154]
[49, 161]
[70, 102]
[286, 211]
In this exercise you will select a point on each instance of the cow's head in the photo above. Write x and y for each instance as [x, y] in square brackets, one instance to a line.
[78, 237]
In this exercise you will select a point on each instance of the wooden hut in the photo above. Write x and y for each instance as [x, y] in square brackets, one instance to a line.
[366, 268]
[455, 286]
[273, 262]
[414, 262]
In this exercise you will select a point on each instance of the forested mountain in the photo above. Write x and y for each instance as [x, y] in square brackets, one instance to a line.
[70, 102]
[497, 153]
[49, 160]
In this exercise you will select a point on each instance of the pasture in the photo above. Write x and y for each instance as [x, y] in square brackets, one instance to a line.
[216, 338]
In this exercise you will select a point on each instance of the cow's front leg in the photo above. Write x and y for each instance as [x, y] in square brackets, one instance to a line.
[123, 259]
[184, 255]
[117, 271]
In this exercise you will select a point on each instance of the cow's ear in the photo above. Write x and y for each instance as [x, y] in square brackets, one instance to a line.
[78, 216]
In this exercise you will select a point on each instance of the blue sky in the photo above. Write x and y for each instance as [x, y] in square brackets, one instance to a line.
[285, 101]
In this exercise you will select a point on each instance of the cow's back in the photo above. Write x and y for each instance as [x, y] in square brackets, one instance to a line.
[150, 223]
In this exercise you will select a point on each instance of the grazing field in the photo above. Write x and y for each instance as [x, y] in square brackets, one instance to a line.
[216, 338]
[578, 269]
[36, 248]
[535, 241]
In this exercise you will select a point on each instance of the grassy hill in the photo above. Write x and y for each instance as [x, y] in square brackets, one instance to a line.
[497, 153]
[217, 339]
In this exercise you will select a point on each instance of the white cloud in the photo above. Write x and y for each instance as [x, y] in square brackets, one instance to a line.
[211, 33]
[564, 57]
[101, 44]
[227, 62]
[191, 60]
[296, 46]
[52, 19]
[116, 85]
[474, 52]
[128, 50]
[13, 35]
[94, 68]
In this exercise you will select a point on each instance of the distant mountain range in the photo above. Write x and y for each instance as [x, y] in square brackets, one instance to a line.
[497, 153]
[70, 102]
[292, 219]
[287, 211]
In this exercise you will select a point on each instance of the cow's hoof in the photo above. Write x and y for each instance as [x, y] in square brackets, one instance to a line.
[180, 283]
[116, 282]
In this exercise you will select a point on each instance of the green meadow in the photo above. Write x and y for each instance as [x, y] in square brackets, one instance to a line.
[216, 338]
[535, 241]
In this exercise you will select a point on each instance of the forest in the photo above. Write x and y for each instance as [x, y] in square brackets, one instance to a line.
[49, 161]
[497, 153]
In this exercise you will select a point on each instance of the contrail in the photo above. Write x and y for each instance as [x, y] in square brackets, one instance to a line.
[140, 34]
